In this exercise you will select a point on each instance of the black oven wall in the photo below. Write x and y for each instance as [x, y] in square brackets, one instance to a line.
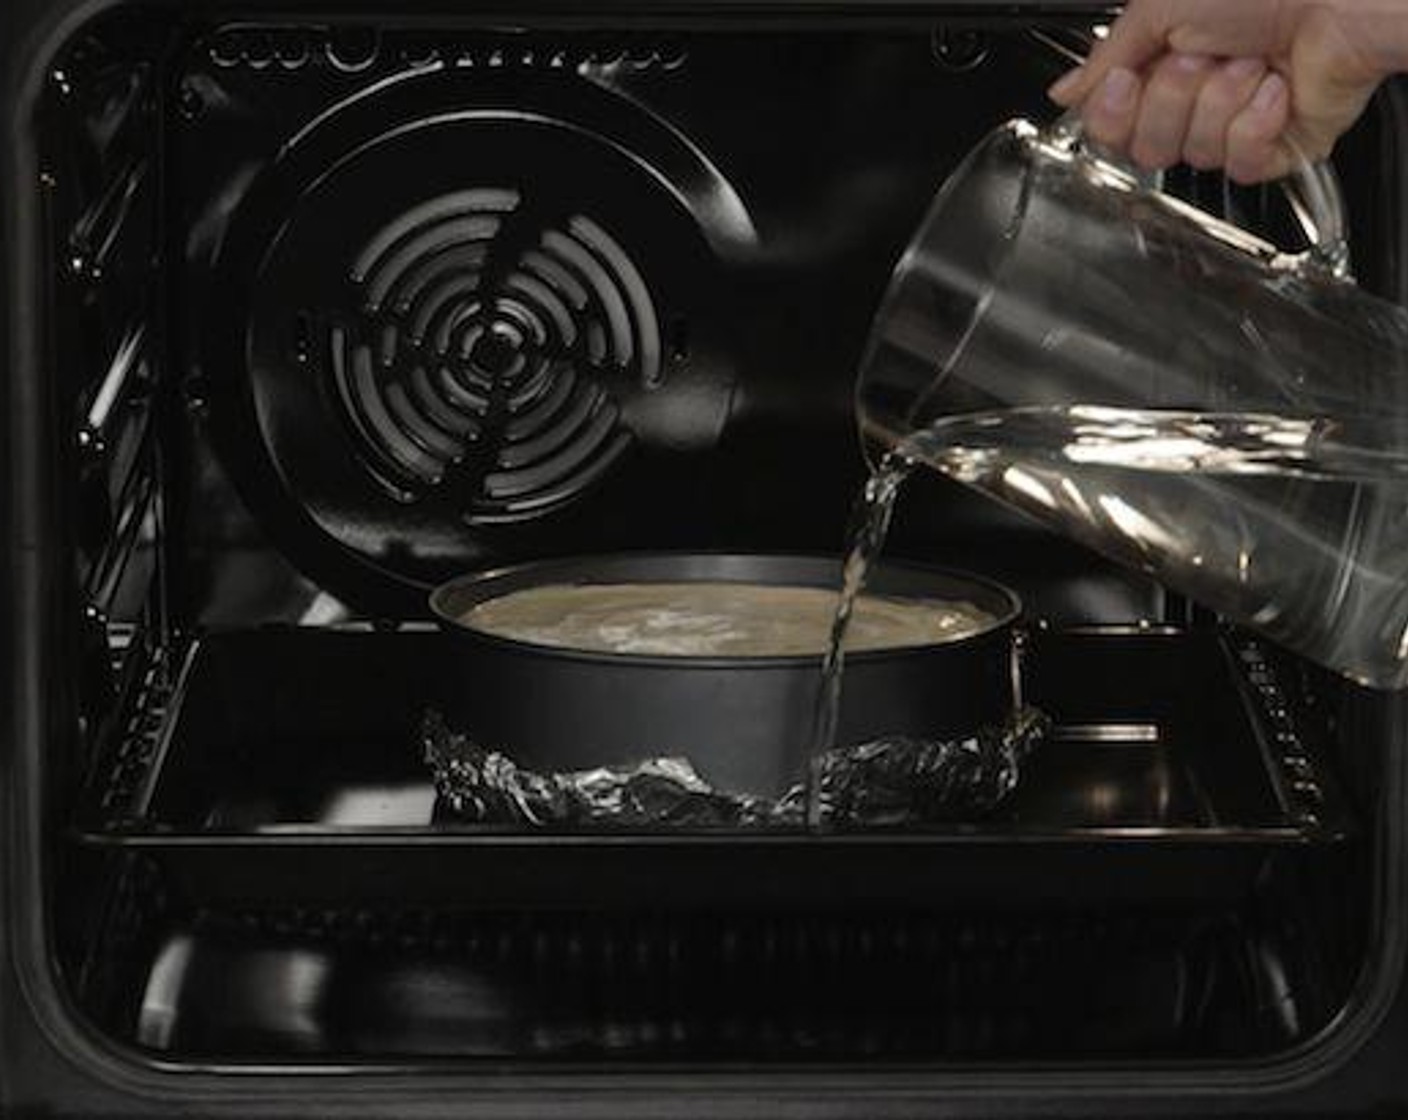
[699, 385]
[251, 416]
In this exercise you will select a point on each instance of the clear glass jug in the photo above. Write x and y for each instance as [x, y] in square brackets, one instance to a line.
[1162, 386]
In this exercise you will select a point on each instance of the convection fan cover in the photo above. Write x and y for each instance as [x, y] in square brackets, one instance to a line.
[467, 326]
[484, 357]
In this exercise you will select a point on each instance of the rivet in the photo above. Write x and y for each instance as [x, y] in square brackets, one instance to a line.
[958, 50]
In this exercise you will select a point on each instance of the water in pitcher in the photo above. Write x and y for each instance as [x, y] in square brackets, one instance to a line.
[1299, 525]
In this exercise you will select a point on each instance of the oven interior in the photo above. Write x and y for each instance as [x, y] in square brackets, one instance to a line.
[338, 310]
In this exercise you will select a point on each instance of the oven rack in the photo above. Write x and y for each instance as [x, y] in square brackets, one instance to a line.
[285, 764]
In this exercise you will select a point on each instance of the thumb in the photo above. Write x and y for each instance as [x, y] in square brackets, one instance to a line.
[1137, 37]
[1332, 83]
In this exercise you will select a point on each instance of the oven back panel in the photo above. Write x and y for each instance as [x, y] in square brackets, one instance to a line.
[453, 299]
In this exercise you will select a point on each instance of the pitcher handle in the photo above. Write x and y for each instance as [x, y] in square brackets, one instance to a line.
[1312, 188]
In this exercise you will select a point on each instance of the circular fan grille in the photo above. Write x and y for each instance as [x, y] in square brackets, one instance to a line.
[481, 316]
[480, 363]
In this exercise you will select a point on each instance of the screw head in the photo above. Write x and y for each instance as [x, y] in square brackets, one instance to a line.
[958, 49]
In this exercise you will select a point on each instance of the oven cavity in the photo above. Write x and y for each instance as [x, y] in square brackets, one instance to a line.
[334, 314]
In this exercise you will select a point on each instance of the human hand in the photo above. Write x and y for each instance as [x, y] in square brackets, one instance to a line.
[1232, 83]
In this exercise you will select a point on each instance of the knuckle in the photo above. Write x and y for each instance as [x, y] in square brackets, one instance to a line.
[1174, 80]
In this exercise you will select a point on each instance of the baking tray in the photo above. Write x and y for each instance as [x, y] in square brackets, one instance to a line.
[288, 766]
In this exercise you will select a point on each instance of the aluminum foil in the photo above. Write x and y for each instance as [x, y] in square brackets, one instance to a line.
[884, 783]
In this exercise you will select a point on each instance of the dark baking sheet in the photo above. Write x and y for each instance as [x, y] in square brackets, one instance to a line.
[290, 767]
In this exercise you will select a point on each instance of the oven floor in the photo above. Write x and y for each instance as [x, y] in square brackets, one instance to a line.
[740, 988]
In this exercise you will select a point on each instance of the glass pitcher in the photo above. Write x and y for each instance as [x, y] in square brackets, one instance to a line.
[1162, 386]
